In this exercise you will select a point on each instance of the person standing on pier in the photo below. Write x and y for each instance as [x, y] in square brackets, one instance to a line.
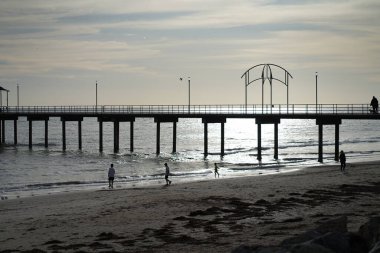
[216, 170]
[111, 176]
[167, 173]
[375, 104]
[342, 159]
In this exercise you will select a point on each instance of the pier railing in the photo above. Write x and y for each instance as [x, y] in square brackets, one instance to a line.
[280, 109]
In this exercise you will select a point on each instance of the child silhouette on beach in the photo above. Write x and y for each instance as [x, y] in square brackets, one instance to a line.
[167, 173]
[111, 176]
[216, 170]
[342, 159]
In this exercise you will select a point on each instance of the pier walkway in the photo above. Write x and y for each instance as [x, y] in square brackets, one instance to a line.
[324, 114]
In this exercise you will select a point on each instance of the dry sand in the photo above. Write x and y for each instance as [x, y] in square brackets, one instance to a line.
[207, 216]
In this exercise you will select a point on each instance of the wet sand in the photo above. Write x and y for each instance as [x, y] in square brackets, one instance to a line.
[208, 216]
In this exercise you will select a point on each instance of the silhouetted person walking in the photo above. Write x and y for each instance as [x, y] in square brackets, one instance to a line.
[216, 170]
[342, 159]
[167, 173]
[111, 176]
[375, 104]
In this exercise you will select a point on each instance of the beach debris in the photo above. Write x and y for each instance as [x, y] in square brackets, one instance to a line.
[370, 231]
[321, 240]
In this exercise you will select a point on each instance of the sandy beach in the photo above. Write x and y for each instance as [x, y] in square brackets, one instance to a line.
[208, 216]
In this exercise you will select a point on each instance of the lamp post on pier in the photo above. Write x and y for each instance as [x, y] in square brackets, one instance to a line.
[18, 95]
[181, 79]
[316, 92]
[96, 96]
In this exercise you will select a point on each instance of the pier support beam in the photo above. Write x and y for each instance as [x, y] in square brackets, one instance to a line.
[205, 139]
[158, 138]
[100, 135]
[2, 128]
[166, 119]
[15, 131]
[116, 136]
[222, 139]
[79, 119]
[3, 132]
[174, 137]
[213, 119]
[275, 141]
[46, 133]
[30, 119]
[320, 143]
[131, 136]
[259, 142]
[116, 119]
[321, 121]
[63, 135]
[80, 135]
[267, 120]
[30, 133]
[336, 142]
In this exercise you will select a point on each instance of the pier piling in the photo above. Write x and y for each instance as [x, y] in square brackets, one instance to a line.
[275, 141]
[336, 142]
[158, 137]
[267, 120]
[174, 137]
[131, 136]
[166, 119]
[222, 139]
[15, 131]
[46, 133]
[205, 139]
[100, 135]
[80, 135]
[328, 120]
[74, 118]
[259, 142]
[30, 133]
[320, 143]
[3, 132]
[213, 119]
[63, 135]
[116, 136]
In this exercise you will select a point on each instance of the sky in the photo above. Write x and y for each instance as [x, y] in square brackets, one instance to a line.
[137, 51]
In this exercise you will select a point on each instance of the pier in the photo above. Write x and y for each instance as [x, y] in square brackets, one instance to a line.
[171, 114]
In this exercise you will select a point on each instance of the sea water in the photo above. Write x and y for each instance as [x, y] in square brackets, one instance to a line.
[40, 170]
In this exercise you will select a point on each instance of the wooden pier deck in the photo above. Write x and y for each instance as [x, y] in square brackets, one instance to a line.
[324, 114]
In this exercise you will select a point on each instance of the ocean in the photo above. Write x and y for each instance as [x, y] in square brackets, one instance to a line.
[39, 171]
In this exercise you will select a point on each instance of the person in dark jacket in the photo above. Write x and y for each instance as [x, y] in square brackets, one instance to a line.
[342, 159]
[375, 104]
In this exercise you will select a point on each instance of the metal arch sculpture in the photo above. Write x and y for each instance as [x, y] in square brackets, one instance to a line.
[266, 74]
